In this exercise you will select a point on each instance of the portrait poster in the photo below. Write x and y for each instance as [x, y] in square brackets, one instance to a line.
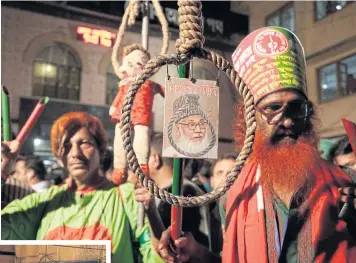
[191, 119]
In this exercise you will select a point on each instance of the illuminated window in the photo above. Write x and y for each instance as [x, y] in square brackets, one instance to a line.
[56, 73]
[324, 8]
[337, 79]
[111, 84]
[283, 17]
[328, 82]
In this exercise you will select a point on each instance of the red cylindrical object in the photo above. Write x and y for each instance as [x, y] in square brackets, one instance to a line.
[176, 225]
[21, 137]
[176, 221]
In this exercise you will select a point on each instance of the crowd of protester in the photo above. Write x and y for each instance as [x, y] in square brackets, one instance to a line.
[79, 144]
[291, 201]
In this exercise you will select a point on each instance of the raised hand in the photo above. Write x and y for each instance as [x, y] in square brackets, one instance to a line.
[9, 152]
[348, 195]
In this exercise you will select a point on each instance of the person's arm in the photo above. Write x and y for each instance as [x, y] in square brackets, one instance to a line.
[115, 103]
[13, 189]
[161, 90]
[9, 152]
[140, 234]
[157, 88]
[21, 219]
[154, 219]
[189, 250]
[348, 196]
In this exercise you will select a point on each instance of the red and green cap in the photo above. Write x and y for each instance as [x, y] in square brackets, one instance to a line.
[271, 59]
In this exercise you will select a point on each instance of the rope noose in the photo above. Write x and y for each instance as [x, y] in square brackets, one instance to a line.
[129, 18]
[189, 45]
[190, 27]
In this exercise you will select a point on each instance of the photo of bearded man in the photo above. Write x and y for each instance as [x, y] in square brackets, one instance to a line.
[191, 131]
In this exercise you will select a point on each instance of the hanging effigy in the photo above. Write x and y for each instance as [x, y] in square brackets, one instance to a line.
[135, 57]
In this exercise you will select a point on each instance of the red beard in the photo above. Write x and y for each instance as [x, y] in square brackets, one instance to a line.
[285, 166]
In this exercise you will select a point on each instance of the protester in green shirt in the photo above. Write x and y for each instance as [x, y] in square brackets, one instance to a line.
[89, 207]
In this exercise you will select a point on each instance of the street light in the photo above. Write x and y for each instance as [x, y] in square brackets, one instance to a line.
[48, 68]
[37, 142]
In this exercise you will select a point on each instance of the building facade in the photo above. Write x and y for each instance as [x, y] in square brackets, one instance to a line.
[327, 32]
[63, 51]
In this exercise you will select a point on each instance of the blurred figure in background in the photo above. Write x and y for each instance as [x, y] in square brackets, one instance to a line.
[221, 169]
[107, 164]
[58, 175]
[343, 156]
[11, 189]
[202, 177]
[324, 147]
[31, 171]
[350, 84]
[198, 171]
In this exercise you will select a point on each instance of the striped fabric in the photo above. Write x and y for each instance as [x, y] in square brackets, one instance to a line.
[321, 236]
[12, 190]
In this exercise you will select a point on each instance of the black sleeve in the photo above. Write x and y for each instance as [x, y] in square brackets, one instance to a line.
[191, 216]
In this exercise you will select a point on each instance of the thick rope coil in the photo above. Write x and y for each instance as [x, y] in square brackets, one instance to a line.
[129, 18]
[150, 69]
[190, 26]
[164, 24]
[133, 12]
[119, 37]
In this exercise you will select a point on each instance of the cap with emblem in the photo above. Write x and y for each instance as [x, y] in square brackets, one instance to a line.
[270, 59]
[186, 105]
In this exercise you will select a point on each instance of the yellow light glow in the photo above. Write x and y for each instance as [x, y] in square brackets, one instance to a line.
[45, 70]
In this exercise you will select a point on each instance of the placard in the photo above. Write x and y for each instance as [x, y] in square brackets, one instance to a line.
[191, 119]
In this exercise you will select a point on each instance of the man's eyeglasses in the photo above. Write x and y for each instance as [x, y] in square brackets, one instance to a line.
[192, 125]
[298, 109]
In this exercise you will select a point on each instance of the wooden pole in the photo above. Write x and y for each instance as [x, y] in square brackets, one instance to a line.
[144, 33]
[177, 187]
[145, 24]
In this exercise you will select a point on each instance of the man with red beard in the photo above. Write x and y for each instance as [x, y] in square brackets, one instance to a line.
[285, 203]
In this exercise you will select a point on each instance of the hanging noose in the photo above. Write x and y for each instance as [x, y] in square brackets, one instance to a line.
[129, 18]
[189, 45]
